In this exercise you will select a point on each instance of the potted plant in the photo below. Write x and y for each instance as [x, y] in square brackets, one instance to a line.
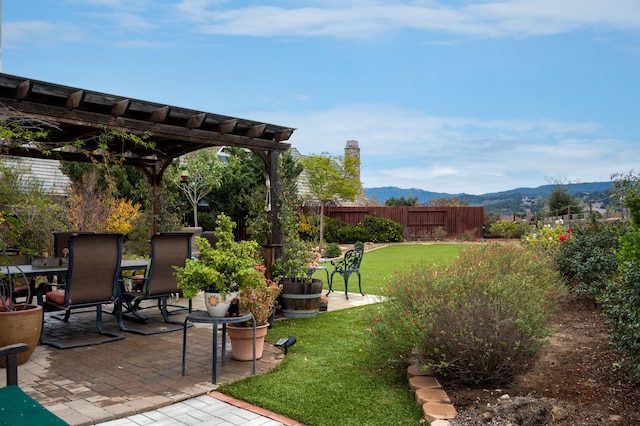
[19, 322]
[324, 303]
[260, 301]
[300, 297]
[221, 271]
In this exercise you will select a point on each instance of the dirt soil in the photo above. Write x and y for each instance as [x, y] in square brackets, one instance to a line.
[571, 382]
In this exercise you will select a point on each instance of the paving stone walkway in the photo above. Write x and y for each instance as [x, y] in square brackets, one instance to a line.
[138, 380]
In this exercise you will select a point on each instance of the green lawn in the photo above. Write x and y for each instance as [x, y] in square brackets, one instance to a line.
[327, 378]
[378, 265]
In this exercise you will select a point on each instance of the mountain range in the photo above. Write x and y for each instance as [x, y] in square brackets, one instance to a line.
[518, 200]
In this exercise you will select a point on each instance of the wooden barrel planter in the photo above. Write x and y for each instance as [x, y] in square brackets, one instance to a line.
[300, 299]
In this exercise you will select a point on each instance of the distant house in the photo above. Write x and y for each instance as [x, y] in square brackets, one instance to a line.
[47, 172]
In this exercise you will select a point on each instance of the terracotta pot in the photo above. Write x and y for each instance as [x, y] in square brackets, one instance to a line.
[242, 341]
[22, 325]
[218, 305]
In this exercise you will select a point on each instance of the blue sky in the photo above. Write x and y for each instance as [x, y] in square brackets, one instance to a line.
[447, 96]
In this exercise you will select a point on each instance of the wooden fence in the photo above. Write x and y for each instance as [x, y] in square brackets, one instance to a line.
[420, 223]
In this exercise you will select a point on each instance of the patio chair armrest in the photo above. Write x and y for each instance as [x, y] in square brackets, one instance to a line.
[14, 349]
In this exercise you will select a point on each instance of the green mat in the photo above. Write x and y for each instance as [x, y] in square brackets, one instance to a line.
[18, 408]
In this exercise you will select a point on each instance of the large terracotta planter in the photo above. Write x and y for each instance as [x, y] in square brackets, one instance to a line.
[300, 299]
[22, 325]
[242, 341]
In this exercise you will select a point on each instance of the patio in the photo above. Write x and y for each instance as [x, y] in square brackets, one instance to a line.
[95, 384]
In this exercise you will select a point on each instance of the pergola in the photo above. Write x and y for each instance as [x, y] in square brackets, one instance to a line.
[81, 115]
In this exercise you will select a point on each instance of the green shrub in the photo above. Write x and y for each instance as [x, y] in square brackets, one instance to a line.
[477, 321]
[371, 228]
[587, 260]
[334, 230]
[381, 230]
[207, 221]
[620, 301]
[621, 304]
[332, 251]
[509, 228]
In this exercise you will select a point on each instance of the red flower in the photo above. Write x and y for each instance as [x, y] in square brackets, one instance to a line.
[563, 237]
[569, 230]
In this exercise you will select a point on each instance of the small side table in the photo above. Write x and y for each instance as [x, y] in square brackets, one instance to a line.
[311, 271]
[204, 317]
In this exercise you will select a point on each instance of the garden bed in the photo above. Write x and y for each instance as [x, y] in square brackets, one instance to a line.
[573, 379]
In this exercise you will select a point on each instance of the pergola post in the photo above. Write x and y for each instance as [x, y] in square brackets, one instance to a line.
[273, 246]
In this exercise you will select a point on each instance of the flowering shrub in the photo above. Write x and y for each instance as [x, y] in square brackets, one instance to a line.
[316, 257]
[477, 321]
[547, 238]
[260, 300]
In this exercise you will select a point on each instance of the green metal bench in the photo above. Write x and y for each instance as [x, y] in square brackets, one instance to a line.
[346, 266]
[16, 407]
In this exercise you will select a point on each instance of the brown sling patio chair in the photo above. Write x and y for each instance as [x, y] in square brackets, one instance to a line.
[167, 250]
[91, 280]
[61, 247]
[61, 242]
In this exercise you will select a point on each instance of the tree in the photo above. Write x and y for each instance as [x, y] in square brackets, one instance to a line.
[562, 203]
[129, 183]
[330, 178]
[626, 193]
[200, 174]
[401, 201]
[448, 202]
[241, 186]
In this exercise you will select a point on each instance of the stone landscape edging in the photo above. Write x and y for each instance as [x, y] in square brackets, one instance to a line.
[437, 408]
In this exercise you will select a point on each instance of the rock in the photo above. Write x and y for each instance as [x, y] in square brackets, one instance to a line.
[420, 382]
[431, 395]
[558, 414]
[433, 411]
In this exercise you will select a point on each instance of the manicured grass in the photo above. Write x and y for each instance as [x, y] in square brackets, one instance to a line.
[327, 378]
[379, 265]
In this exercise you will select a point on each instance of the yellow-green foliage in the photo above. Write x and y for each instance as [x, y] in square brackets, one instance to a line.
[122, 214]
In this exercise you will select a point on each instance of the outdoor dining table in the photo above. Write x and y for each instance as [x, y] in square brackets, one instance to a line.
[34, 271]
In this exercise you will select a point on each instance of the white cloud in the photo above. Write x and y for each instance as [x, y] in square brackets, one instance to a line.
[38, 33]
[367, 19]
[411, 149]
